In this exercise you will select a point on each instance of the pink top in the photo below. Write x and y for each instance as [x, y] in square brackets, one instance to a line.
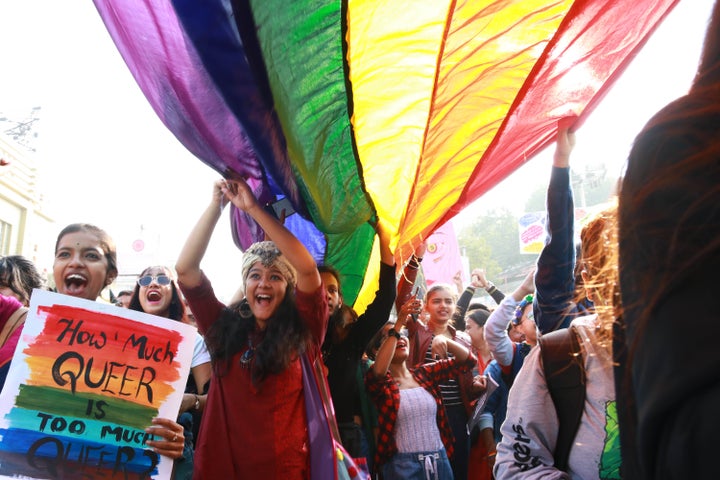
[8, 305]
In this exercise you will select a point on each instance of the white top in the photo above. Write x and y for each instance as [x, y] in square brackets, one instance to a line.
[200, 351]
[531, 427]
[416, 427]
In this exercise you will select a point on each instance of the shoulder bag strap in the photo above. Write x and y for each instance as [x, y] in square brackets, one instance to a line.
[565, 377]
[15, 320]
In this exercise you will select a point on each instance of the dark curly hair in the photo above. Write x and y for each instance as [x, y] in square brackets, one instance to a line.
[285, 337]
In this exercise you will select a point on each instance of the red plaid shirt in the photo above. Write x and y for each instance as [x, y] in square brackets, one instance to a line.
[386, 395]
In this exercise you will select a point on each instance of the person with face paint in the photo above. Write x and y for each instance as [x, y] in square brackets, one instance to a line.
[255, 422]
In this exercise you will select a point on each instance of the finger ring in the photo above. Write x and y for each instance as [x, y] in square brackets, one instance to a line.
[174, 438]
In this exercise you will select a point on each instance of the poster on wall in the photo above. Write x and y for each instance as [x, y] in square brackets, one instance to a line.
[85, 382]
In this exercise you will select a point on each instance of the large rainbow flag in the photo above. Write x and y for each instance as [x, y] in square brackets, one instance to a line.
[401, 112]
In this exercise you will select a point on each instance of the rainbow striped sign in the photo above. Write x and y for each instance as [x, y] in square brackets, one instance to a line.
[85, 381]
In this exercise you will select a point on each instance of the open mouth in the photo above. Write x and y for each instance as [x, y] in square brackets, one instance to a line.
[154, 296]
[75, 283]
[263, 299]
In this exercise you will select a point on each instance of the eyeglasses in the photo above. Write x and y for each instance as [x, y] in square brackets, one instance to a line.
[146, 280]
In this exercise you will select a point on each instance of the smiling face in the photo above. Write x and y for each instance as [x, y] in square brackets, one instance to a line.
[402, 349]
[81, 268]
[440, 305]
[155, 298]
[264, 290]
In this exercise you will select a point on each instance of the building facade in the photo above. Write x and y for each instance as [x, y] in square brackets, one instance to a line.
[25, 227]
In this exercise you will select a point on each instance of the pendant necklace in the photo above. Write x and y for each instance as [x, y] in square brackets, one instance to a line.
[247, 357]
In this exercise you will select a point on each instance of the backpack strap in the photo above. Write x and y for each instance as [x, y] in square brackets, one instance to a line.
[565, 377]
[16, 320]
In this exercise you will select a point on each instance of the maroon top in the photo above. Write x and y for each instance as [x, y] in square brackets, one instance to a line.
[249, 431]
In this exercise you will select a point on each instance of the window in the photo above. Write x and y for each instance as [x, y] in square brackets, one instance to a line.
[5, 237]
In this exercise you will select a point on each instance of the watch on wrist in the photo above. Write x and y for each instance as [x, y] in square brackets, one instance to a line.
[393, 333]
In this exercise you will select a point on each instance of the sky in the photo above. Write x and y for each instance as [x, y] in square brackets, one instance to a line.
[107, 159]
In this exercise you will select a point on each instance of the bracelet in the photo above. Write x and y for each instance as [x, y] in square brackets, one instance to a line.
[414, 262]
[490, 287]
[197, 402]
[393, 333]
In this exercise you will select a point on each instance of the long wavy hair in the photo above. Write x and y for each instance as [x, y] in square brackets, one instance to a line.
[599, 260]
[670, 221]
[285, 337]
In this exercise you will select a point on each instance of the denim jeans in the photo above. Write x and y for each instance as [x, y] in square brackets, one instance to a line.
[418, 466]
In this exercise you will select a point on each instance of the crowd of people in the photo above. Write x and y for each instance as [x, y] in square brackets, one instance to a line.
[587, 370]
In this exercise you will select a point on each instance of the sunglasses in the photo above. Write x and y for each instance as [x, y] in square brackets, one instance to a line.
[146, 280]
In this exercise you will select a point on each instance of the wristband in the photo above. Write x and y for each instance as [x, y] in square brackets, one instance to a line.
[393, 333]
[490, 287]
[197, 402]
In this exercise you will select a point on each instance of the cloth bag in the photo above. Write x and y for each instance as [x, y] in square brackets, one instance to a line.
[328, 458]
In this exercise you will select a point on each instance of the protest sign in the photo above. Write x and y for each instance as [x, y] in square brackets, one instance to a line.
[85, 382]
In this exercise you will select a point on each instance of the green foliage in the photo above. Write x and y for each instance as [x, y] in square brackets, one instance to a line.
[589, 188]
[491, 242]
[536, 200]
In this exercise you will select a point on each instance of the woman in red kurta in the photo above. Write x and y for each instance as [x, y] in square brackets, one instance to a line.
[254, 424]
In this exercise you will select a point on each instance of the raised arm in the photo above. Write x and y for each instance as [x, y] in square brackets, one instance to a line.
[188, 263]
[477, 280]
[378, 312]
[385, 353]
[555, 276]
[308, 277]
[408, 276]
[496, 326]
[489, 287]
